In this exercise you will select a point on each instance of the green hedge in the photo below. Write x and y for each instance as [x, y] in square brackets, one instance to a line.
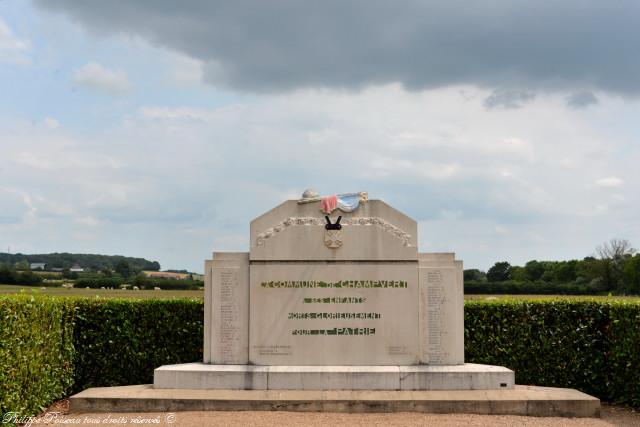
[592, 346]
[121, 341]
[9, 276]
[51, 346]
[36, 352]
[623, 354]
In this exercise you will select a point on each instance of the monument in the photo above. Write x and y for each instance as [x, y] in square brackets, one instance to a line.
[334, 309]
[333, 295]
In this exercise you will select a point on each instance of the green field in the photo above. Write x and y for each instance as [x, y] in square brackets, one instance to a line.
[102, 293]
[119, 293]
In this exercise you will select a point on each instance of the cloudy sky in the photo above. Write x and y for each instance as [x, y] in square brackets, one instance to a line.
[508, 130]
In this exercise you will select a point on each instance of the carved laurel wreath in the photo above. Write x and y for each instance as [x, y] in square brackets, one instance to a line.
[403, 236]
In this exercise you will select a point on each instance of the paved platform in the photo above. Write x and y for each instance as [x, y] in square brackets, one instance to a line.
[521, 400]
[467, 376]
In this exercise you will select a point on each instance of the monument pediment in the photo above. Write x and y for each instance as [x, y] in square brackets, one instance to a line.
[374, 231]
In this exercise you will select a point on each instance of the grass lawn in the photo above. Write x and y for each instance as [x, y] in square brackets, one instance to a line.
[103, 293]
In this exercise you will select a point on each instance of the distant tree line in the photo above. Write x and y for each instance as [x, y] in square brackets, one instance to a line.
[91, 262]
[139, 281]
[616, 269]
[103, 279]
[9, 276]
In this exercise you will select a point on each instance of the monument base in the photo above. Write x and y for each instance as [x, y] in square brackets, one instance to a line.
[203, 376]
[521, 400]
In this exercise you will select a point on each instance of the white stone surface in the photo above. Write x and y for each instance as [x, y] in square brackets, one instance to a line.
[333, 378]
[205, 376]
[437, 257]
[441, 315]
[390, 339]
[275, 318]
[293, 231]
[467, 376]
[249, 377]
[226, 328]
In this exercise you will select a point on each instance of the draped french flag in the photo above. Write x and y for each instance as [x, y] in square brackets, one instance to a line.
[345, 202]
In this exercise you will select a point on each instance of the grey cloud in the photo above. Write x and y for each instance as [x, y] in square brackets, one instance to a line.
[581, 100]
[178, 208]
[507, 99]
[284, 45]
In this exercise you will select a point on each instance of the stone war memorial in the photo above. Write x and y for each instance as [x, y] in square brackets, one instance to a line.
[333, 294]
[333, 308]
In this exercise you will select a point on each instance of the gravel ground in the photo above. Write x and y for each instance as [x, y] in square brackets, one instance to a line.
[58, 413]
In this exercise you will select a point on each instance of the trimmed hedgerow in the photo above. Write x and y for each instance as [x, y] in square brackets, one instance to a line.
[121, 341]
[50, 346]
[36, 352]
[623, 353]
[553, 343]
[592, 346]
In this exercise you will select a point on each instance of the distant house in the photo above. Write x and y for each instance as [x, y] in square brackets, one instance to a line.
[166, 275]
[37, 266]
[76, 269]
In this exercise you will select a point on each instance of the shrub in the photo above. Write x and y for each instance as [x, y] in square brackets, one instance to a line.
[593, 346]
[552, 343]
[10, 276]
[36, 352]
[121, 341]
[623, 353]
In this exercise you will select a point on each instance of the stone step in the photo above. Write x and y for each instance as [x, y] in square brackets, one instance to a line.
[468, 376]
[520, 400]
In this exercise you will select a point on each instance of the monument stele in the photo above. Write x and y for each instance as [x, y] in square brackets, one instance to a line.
[333, 294]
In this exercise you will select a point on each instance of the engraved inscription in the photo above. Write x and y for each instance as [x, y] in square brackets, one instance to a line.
[229, 316]
[333, 315]
[273, 350]
[435, 316]
[305, 284]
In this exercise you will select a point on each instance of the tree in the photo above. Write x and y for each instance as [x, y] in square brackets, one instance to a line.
[71, 275]
[123, 268]
[22, 265]
[589, 269]
[473, 274]
[565, 271]
[632, 274]
[615, 248]
[518, 274]
[141, 281]
[7, 275]
[499, 272]
[534, 270]
[613, 255]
